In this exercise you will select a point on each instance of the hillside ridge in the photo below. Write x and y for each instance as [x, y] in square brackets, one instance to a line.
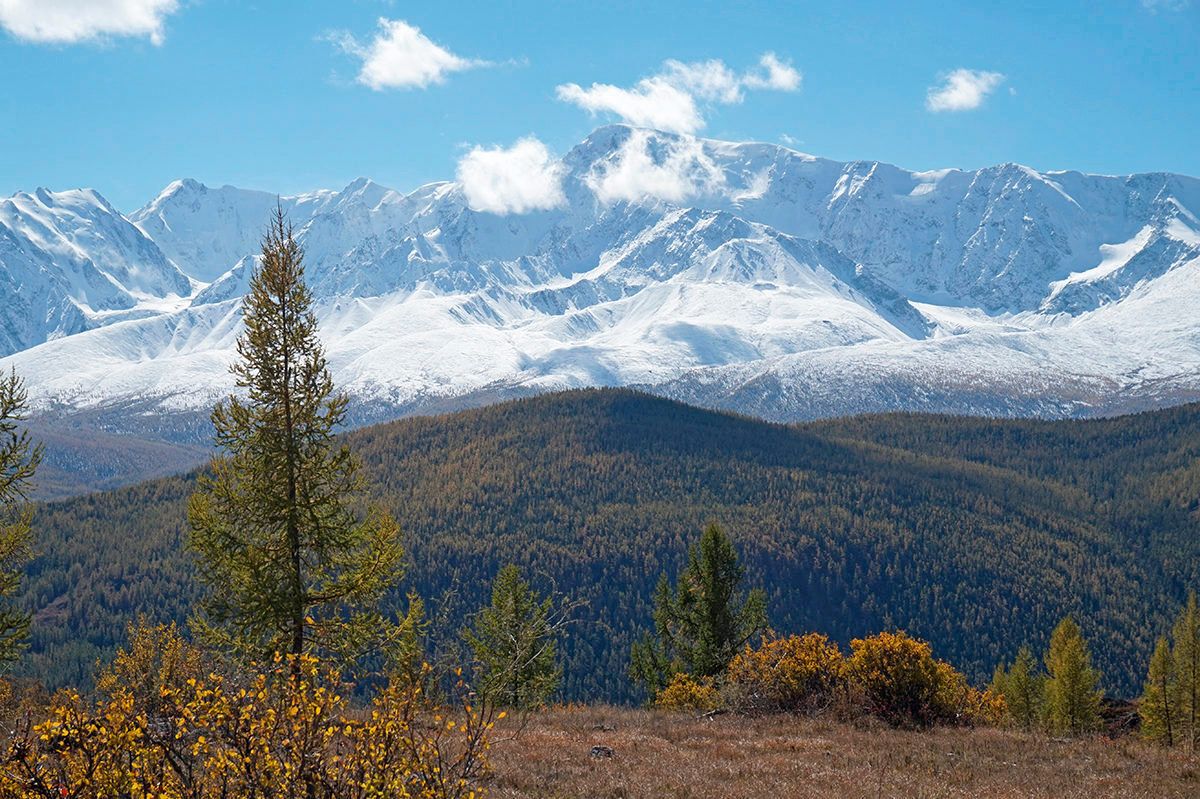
[978, 542]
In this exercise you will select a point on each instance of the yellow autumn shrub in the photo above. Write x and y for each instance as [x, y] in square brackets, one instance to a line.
[799, 673]
[686, 693]
[898, 679]
[285, 729]
[984, 707]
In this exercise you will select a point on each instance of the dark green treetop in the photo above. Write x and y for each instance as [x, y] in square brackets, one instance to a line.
[703, 621]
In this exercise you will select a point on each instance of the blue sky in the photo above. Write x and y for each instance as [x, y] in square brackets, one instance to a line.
[127, 95]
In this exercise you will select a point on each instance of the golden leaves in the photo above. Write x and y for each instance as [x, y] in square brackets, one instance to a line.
[687, 693]
[263, 733]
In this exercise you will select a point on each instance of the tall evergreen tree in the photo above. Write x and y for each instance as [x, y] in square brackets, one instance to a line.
[1072, 695]
[1186, 657]
[1023, 689]
[703, 621]
[514, 644]
[1157, 705]
[291, 565]
[19, 459]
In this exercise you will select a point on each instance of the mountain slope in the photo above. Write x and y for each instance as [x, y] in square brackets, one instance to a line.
[977, 534]
[69, 262]
[751, 277]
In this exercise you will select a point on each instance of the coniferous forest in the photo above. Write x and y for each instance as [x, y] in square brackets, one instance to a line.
[976, 535]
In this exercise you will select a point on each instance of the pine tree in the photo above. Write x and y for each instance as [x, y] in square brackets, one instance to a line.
[19, 459]
[703, 622]
[1157, 705]
[1023, 689]
[291, 565]
[514, 644]
[1186, 657]
[1072, 696]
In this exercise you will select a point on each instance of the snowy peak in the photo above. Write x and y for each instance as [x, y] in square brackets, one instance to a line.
[205, 231]
[741, 274]
[69, 261]
[81, 226]
[366, 192]
[999, 238]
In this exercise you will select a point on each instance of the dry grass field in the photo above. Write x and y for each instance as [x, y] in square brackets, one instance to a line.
[668, 756]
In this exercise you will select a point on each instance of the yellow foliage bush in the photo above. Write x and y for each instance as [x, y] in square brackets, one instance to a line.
[899, 680]
[963, 703]
[984, 707]
[799, 673]
[283, 730]
[685, 693]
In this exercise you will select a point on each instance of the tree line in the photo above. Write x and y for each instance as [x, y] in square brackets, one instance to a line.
[701, 656]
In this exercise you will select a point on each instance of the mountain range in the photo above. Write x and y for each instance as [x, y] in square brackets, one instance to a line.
[740, 276]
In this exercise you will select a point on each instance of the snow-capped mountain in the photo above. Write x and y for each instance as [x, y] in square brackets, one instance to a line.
[739, 275]
[70, 262]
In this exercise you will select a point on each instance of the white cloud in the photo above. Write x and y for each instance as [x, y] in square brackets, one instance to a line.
[777, 75]
[652, 103]
[709, 80]
[68, 21]
[513, 180]
[962, 90]
[672, 170]
[401, 57]
[671, 100]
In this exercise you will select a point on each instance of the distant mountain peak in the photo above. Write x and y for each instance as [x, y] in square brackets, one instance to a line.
[739, 274]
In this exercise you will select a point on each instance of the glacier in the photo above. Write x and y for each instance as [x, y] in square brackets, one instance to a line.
[753, 278]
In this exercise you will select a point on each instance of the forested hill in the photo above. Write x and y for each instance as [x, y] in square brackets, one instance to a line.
[975, 534]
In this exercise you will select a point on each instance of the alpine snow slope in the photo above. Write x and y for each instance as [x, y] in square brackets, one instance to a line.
[743, 276]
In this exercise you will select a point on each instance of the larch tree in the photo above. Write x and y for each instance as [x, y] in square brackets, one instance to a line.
[1157, 705]
[1072, 693]
[291, 564]
[1186, 657]
[514, 643]
[701, 622]
[1023, 689]
[19, 459]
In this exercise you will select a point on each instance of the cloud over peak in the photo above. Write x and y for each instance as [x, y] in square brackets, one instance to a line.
[962, 90]
[672, 99]
[652, 103]
[512, 180]
[70, 21]
[401, 57]
[649, 169]
[644, 168]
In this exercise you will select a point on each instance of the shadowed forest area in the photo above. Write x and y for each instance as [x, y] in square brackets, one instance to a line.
[976, 535]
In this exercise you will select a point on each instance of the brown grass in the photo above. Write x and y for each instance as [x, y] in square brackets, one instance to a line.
[664, 755]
